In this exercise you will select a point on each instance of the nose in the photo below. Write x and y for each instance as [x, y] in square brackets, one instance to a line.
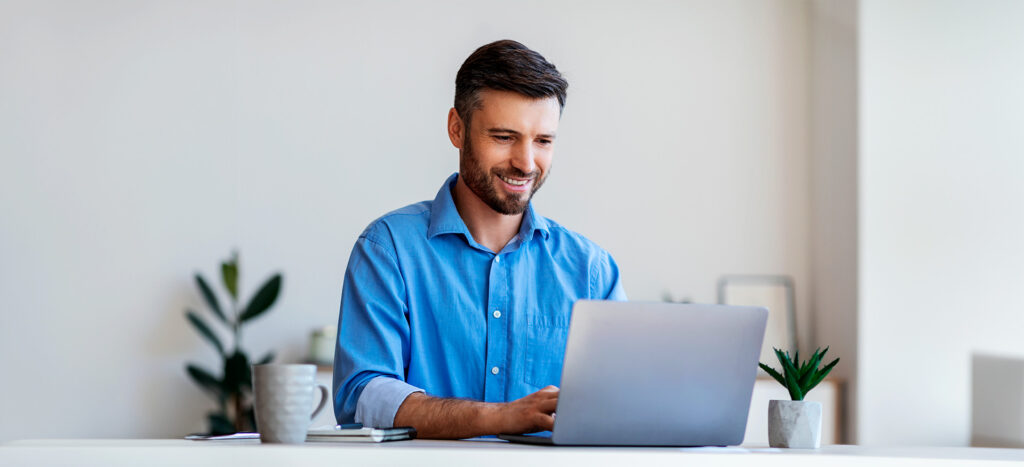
[523, 158]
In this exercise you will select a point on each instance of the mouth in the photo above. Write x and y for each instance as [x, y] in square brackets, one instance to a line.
[517, 185]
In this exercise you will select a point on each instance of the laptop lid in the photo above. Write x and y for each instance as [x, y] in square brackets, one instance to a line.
[658, 374]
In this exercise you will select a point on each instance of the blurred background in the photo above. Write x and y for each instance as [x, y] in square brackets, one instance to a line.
[871, 150]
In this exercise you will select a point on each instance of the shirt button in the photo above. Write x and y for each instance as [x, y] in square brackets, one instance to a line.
[497, 314]
[497, 259]
[495, 370]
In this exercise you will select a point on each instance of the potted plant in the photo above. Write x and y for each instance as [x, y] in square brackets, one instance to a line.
[233, 389]
[796, 423]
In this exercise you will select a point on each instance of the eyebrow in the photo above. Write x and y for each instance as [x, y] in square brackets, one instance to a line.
[514, 132]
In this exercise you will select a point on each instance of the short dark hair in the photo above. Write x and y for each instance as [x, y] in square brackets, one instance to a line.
[506, 65]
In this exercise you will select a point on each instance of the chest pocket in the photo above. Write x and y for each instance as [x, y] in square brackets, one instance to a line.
[545, 350]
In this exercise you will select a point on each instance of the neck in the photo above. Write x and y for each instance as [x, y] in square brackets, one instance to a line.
[488, 227]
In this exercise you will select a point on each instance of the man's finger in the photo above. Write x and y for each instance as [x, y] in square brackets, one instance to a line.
[545, 422]
[548, 392]
[548, 406]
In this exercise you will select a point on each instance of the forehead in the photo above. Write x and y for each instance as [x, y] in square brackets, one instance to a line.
[505, 109]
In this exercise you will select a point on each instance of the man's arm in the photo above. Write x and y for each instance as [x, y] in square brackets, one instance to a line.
[373, 332]
[441, 418]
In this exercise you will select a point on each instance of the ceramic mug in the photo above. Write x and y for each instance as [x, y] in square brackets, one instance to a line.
[283, 395]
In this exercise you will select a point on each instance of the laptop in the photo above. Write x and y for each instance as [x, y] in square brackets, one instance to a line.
[656, 374]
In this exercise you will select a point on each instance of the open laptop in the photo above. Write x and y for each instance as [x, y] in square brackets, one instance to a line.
[656, 374]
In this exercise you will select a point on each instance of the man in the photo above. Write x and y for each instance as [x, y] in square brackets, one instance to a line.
[455, 312]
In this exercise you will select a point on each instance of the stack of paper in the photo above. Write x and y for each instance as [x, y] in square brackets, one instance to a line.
[337, 434]
[351, 433]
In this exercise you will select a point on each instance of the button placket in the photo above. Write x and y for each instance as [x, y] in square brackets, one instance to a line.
[497, 293]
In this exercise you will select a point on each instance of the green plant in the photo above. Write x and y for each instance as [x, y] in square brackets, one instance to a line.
[233, 389]
[799, 378]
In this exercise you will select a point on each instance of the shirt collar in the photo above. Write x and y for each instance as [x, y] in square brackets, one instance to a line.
[444, 218]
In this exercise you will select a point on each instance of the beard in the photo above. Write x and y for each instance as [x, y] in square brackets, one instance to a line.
[484, 184]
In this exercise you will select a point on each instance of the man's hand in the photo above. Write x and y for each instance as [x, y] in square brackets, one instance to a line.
[531, 413]
[439, 418]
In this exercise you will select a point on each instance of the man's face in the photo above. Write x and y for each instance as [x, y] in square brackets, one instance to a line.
[507, 150]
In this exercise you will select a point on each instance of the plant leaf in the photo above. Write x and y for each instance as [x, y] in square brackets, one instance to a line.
[786, 364]
[809, 370]
[819, 376]
[266, 359]
[250, 414]
[792, 384]
[204, 330]
[774, 374]
[229, 274]
[219, 424]
[206, 381]
[783, 358]
[263, 299]
[779, 356]
[211, 299]
[237, 373]
[794, 388]
[815, 379]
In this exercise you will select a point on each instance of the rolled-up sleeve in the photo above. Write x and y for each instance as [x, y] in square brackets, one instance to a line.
[373, 335]
[380, 401]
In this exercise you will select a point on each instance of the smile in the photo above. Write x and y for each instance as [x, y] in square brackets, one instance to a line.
[516, 185]
[514, 182]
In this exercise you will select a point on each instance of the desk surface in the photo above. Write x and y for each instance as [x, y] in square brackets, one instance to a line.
[488, 452]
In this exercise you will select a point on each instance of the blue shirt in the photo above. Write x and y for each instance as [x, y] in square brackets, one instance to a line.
[424, 307]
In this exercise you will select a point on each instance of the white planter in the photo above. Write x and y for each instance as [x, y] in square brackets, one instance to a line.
[794, 424]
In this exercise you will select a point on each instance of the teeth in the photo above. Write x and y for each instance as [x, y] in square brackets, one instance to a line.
[513, 182]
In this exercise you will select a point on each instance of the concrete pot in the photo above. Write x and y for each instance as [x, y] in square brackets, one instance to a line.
[794, 424]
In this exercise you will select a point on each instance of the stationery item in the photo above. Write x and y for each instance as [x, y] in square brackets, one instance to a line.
[239, 435]
[339, 434]
[248, 435]
[283, 395]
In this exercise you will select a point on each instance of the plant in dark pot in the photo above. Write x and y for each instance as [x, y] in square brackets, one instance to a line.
[233, 389]
[796, 423]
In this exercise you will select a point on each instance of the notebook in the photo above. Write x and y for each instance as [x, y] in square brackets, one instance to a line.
[353, 433]
[338, 434]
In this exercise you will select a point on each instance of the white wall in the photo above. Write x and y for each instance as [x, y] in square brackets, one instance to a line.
[141, 141]
[834, 113]
[941, 217]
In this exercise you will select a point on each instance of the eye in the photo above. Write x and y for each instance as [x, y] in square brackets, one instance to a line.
[544, 142]
[503, 138]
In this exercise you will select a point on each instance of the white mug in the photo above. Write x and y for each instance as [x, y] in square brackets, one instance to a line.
[283, 395]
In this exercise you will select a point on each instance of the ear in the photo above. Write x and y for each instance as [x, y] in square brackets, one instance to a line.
[456, 130]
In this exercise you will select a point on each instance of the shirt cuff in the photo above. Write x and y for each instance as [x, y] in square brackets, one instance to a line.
[380, 400]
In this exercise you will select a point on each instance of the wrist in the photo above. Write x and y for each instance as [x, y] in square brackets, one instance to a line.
[491, 417]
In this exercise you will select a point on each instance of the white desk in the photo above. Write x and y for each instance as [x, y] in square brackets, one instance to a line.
[489, 453]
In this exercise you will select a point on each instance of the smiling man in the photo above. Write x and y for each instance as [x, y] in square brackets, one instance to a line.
[455, 312]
